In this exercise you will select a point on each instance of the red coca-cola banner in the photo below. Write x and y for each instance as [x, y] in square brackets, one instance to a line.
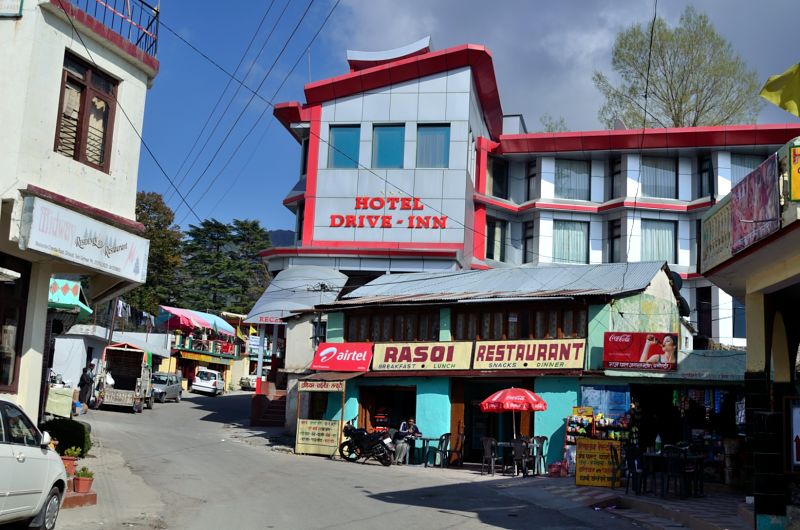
[640, 351]
[343, 356]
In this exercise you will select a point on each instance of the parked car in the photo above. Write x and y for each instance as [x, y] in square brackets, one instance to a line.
[167, 386]
[32, 476]
[208, 381]
[248, 382]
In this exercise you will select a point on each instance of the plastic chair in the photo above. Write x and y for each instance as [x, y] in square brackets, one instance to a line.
[521, 455]
[676, 472]
[539, 465]
[441, 450]
[490, 457]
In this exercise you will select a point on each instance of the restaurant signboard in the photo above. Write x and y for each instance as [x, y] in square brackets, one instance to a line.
[755, 207]
[317, 437]
[593, 464]
[320, 386]
[342, 356]
[640, 351]
[555, 354]
[422, 356]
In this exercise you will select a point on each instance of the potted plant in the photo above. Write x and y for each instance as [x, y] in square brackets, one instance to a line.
[70, 457]
[82, 483]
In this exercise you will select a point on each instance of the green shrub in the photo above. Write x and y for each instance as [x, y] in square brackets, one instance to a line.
[84, 473]
[69, 433]
[73, 452]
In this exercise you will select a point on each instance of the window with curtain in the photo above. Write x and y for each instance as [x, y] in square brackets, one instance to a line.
[706, 175]
[496, 239]
[529, 252]
[497, 182]
[658, 240]
[433, 145]
[86, 115]
[343, 150]
[618, 188]
[659, 178]
[570, 242]
[387, 145]
[743, 165]
[615, 241]
[572, 179]
[531, 175]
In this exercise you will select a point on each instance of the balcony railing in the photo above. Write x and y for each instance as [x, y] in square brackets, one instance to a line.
[134, 20]
[218, 347]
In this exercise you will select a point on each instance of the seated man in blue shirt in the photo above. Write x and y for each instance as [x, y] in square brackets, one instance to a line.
[404, 439]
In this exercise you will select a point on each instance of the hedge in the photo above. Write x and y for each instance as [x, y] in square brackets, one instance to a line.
[69, 433]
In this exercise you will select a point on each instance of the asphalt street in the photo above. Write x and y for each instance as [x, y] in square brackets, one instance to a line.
[182, 466]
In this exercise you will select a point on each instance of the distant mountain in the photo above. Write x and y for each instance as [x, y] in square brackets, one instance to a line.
[282, 238]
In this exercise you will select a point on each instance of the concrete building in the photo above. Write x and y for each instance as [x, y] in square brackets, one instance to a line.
[74, 86]
[409, 164]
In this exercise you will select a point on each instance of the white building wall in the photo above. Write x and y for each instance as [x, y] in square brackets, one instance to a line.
[721, 161]
[685, 184]
[547, 177]
[630, 172]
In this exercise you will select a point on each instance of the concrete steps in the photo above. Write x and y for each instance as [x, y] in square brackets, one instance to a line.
[77, 500]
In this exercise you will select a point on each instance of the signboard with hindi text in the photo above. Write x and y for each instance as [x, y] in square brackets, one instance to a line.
[640, 351]
[557, 354]
[422, 356]
[317, 437]
[320, 386]
[593, 464]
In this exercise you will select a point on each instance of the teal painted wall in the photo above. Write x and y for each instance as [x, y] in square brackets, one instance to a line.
[560, 394]
[445, 334]
[599, 319]
[335, 329]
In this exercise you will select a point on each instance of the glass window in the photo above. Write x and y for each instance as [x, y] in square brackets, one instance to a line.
[343, 149]
[658, 241]
[743, 165]
[568, 324]
[531, 177]
[13, 300]
[659, 178]
[739, 323]
[617, 182]
[552, 324]
[572, 179]
[387, 146]
[497, 182]
[304, 162]
[615, 241]
[20, 430]
[497, 326]
[706, 175]
[496, 239]
[529, 251]
[433, 145]
[540, 324]
[570, 242]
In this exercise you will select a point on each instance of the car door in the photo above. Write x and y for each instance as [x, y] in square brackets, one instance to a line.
[29, 463]
[172, 392]
[6, 466]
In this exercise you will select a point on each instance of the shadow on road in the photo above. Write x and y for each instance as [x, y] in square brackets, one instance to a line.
[228, 408]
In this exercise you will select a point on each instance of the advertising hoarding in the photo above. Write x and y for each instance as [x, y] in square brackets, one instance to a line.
[640, 351]
[422, 356]
[342, 356]
[555, 354]
[755, 206]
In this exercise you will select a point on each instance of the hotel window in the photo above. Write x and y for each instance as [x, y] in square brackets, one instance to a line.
[658, 241]
[659, 178]
[304, 162]
[617, 182]
[570, 242]
[86, 117]
[528, 251]
[706, 175]
[433, 146]
[530, 176]
[497, 181]
[615, 241]
[344, 142]
[572, 179]
[743, 165]
[387, 146]
[496, 239]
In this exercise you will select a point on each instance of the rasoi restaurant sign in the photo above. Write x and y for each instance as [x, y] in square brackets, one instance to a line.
[422, 356]
[71, 236]
[530, 354]
[640, 351]
[342, 356]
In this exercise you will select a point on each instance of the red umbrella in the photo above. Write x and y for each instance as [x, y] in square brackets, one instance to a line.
[513, 399]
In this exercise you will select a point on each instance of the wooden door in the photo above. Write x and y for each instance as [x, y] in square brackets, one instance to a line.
[456, 417]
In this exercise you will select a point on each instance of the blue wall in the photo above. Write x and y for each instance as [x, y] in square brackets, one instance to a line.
[560, 394]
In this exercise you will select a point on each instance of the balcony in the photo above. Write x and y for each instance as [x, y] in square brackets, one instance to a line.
[218, 348]
[135, 21]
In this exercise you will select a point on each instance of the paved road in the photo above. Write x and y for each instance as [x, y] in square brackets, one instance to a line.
[187, 468]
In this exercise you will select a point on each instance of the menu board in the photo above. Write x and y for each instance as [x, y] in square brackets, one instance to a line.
[593, 466]
[317, 437]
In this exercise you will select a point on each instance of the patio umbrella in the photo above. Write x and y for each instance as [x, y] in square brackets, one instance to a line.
[513, 399]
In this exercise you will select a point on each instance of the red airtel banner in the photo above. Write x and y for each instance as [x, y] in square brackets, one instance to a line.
[640, 351]
[343, 356]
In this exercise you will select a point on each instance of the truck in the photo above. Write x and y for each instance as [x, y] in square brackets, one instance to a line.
[131, 374]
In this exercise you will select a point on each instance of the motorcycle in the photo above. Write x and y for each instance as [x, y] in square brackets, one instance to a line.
[361, 444]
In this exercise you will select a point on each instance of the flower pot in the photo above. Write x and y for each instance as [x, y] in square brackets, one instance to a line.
[69, 464]
[82, 484]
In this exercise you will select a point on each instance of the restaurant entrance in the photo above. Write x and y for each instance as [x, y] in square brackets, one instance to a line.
[386, 407]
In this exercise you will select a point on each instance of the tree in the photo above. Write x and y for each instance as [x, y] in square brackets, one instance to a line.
[552, 124]
[250, 273]
[695, 78]
[165, 253]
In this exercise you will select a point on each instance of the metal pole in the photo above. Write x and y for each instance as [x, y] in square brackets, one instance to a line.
[262, 331]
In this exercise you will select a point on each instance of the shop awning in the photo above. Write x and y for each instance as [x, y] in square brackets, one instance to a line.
[188, 319]
[294, 290]
[331, 376]
[67, 294]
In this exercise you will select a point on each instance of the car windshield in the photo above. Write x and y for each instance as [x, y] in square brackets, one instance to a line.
[160, 379]
[206, 376]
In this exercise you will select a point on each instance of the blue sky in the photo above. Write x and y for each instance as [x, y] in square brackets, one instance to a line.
[544, 54]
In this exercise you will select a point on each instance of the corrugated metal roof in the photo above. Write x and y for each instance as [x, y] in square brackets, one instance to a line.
[542, 281]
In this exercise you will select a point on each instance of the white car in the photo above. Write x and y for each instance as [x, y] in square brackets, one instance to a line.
[209, 381]
[32, 476]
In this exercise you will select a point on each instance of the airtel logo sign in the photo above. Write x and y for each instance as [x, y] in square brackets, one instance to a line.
[332, 352]
[343, 356]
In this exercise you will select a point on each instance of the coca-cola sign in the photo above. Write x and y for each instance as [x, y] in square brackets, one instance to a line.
[343, 356]
[640, 351]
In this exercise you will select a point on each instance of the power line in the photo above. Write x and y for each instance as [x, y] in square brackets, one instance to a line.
[127, 118]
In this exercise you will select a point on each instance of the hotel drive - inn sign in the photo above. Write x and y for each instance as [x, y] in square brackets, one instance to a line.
[71, 236]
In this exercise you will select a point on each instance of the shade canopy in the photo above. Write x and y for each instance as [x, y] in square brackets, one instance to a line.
[178, 318]
[513, 399]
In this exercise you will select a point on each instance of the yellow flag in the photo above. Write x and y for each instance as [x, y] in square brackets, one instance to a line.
[239, 334]
[253, 331]
[784, 90]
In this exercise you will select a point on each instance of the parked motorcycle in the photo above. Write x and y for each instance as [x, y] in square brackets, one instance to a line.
[361, 444]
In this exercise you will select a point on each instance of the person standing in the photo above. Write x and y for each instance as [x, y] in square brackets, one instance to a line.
[85, 386]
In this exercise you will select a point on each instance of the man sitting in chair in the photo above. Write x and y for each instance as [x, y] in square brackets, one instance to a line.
[404, 439]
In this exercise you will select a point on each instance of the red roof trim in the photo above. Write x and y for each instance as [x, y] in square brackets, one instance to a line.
[673, 138]
[333, 251]
[478, 58]
[81, 207]
[294, 198]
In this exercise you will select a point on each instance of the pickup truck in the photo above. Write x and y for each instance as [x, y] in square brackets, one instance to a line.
[131, 374]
